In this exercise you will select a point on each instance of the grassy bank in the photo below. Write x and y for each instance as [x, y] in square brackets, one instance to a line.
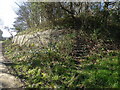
[54, 67]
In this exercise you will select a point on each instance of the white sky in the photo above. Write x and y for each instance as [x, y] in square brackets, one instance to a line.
[7, 15]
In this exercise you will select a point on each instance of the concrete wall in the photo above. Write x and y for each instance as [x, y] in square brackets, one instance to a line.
[39, 39]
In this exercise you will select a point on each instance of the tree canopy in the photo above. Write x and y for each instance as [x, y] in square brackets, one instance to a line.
[91, 16]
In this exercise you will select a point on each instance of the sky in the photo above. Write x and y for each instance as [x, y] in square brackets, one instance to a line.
[7, 15]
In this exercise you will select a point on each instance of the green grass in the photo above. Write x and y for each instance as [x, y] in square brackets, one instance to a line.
[52, 68]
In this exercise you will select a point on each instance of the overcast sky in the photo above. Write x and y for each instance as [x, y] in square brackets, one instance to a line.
[7, 14]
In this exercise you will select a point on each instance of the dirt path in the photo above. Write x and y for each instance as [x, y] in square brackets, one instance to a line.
[7, 80]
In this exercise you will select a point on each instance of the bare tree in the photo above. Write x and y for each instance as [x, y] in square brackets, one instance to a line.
[9, 30]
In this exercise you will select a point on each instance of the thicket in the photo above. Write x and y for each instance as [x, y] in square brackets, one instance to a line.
[99, 19]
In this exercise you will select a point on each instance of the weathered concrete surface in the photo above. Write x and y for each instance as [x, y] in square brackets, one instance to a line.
[41, 38]
[27, 39]
[7, 80]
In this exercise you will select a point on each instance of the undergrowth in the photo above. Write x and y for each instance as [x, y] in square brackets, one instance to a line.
[53, 67]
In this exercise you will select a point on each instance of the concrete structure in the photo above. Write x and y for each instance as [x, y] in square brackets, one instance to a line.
[41, 38]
